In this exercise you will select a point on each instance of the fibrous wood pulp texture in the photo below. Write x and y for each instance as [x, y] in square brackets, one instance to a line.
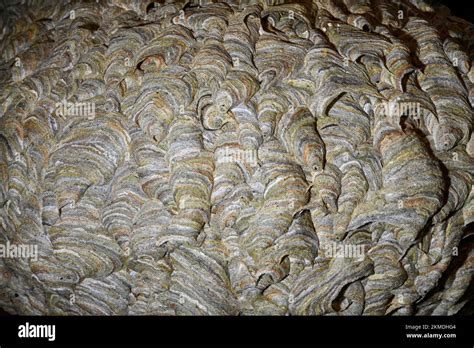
[236, 158]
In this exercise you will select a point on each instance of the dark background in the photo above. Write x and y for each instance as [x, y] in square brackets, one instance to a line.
[459, 8]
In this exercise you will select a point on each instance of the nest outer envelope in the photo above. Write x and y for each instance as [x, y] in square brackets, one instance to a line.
[253, 158]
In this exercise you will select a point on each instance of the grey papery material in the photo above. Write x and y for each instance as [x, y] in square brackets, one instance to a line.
[236, 158]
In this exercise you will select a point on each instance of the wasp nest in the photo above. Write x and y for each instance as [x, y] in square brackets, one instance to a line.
[224, 158]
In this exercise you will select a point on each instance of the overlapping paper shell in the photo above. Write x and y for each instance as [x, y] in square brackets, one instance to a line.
[236, 158]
